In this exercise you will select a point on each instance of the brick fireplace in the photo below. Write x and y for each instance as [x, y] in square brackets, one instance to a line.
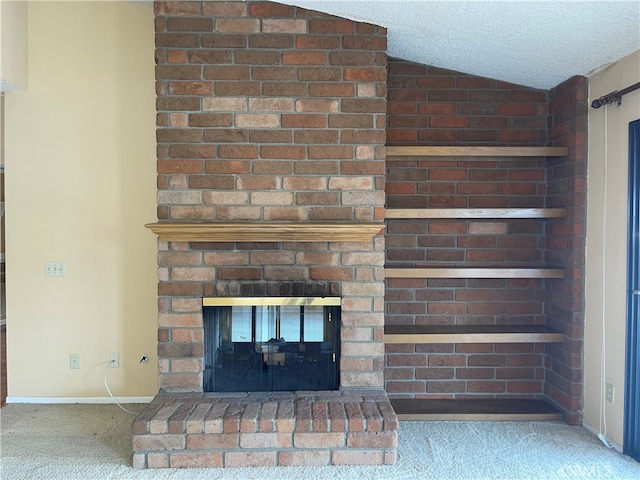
[271, 126]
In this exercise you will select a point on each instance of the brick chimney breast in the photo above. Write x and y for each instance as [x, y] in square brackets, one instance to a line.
[269, 113]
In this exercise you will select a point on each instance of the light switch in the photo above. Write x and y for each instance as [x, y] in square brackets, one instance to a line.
[55, 269]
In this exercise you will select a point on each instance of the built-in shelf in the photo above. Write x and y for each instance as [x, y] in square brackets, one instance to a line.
[266, 232]
[415, 213]
[471, 334]
[429, 151]
[475, 409]
[473, 272]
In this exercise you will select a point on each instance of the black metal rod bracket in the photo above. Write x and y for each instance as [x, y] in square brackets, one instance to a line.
[614, 97]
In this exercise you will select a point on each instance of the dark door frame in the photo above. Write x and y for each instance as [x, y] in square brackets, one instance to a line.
[632, 370]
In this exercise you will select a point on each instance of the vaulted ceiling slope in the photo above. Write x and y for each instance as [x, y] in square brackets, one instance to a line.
[537, 43]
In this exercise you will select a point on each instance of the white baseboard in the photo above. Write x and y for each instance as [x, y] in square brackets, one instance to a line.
[595, 431]
[78, 399]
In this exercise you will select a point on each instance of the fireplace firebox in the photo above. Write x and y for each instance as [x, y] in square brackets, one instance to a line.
[255, 344]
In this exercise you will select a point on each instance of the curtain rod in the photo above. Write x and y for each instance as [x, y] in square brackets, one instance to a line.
[615, 96]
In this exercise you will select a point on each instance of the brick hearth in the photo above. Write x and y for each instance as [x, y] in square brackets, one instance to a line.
[266, 429]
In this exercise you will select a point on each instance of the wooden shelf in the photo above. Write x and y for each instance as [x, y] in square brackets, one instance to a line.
[471, 334]
[475, 409]
[266, 232]
[399, 213]
[474, 272]
[428, 151]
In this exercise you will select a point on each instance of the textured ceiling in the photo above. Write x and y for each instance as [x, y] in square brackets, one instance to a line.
[534, 43]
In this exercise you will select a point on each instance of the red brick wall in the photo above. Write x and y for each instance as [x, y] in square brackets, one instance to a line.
[269, 113]
[456, 371]
[431, 106]
[565, 245]
[272, 113]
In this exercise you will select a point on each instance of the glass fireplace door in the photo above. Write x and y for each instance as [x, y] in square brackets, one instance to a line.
[271, 344]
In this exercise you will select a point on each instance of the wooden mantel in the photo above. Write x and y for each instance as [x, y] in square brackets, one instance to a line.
[266, 232]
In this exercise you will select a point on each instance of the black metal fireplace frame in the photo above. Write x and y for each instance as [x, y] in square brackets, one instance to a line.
[276, 364]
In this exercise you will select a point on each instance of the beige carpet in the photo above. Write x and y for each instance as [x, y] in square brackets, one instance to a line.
[94, 442]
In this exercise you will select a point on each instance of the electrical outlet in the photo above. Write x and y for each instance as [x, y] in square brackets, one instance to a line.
[74, 361]
[610, 392]
[55, 269]
[114, 358]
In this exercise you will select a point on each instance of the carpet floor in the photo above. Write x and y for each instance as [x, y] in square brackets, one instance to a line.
[87, 442]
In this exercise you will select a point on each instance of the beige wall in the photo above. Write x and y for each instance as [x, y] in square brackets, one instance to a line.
[80, 166]
[607, 231]
[13, 45]
[3, 293]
